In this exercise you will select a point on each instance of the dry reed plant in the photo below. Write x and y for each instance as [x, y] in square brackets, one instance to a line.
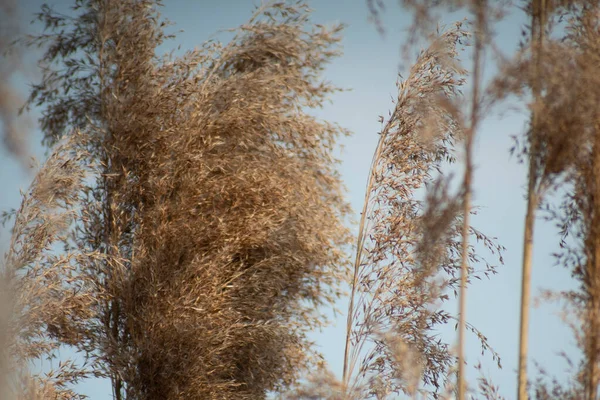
[408, 250]
[573, 141]
[45, 299]
[216, 205]
[584, 36]
[190, 220]
[555, 142]
[542, 67]
[484, 14]
[534, 189]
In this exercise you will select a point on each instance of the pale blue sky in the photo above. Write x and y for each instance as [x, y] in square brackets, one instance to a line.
[369, 67]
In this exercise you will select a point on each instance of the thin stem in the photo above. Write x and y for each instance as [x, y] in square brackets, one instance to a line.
[359, 249]
[537, 32]
[463, 284]
[525, 286]
[112, 307]
[467, 183]
[594, 278]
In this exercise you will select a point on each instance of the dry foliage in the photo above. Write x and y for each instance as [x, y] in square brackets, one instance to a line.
[215, 203]
[45, 299]
[572, 139]
[409, 250]
[190, 221]
[467, 115]
[560, 146]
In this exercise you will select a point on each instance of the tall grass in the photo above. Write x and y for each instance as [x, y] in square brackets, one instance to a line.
[215, 204]
[538, 8]
[409, 250]
[190, 221]
[572, 141]
[45, 299]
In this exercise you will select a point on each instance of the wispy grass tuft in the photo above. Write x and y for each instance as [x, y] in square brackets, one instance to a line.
[408, 250]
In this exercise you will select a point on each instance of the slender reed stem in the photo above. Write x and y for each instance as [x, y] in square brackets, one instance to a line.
[525, 285]
[594, 278]
[537, 32]
[463, 284]
[468, 177]
[359, 249]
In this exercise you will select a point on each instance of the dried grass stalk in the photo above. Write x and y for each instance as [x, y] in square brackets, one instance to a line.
[572, 148]
[408, 250]
[45, 299]
[216, 205]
